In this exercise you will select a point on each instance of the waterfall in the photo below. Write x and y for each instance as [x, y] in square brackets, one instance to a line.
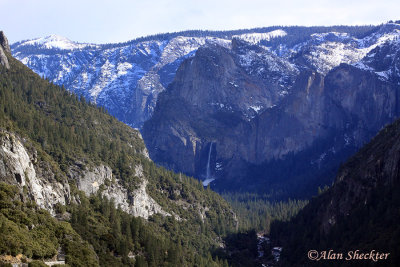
[208, 162]
[208, 179]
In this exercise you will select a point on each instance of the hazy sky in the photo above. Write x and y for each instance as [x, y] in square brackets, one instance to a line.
[102, 21]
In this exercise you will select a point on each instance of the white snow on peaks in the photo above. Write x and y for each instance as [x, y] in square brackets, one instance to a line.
[330, 49]
[56, 41]
[331, 54]
[372, 41]
[181, 46]
[256, 38]
[334, 48]
[323, 36]
[128, 77]
[178, 47]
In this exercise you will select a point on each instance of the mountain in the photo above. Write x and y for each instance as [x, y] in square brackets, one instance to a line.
[273, 110]
[276, 119]
[77, 185]
[359, 212]
[241, 106]
[126, 78]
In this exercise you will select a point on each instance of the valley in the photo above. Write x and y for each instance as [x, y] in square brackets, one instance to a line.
[201, 148]
[235, 108]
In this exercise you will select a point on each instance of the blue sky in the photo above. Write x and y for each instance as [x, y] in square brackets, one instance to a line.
[103, 21]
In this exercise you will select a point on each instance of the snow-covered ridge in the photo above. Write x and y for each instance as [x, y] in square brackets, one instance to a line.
[181, 46]
[127, 78]
[380, 39]
[325, 35]
[333, 49]
[387, 46]
[57, 42]
[256, 38]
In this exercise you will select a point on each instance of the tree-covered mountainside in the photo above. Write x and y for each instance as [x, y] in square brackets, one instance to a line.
[54, 144]
[361, 211]
[257, 212]
[255, 100]
[26, 229]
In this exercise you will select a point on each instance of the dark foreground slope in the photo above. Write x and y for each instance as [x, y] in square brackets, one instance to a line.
[360, 211]
[52, 145]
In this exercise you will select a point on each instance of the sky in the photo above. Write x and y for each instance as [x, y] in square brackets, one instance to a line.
[112, 21]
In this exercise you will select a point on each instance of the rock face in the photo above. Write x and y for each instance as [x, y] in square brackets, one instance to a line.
[254, 119]
[211, 93]
[142, 204]
[21, 168]
[4, 43]
[89, 181]
[137, 202]
[4, 48]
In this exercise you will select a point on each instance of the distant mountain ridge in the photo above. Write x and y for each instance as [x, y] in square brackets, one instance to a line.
[254, 98]
[277, 120]
[126, 78]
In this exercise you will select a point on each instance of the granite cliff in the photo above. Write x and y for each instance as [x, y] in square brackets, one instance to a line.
[4, 48]
[255, 122]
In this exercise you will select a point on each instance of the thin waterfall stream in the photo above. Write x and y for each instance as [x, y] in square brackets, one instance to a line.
[208, 179]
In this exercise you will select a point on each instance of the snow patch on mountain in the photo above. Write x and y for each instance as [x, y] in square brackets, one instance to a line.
[379, 38]
[331, 54]
[181, 46]
[269, 66]
[123, 68]
[331, 35]
[385, 52]
[326, 51]
[58, 42]
[256, 38]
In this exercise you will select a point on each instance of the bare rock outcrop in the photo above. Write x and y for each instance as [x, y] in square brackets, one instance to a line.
[19, 165]
[4, 43]
[4, 49]
[22, 168]
[138, 202]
